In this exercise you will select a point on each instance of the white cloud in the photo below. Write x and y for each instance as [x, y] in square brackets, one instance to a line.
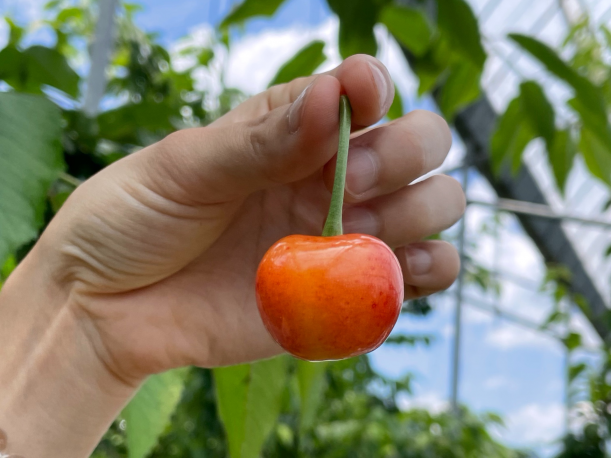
[508, 336]
[24, 10]
[472, 315]
[274, 47]
[430, 401]
[498, 382]
[4, 31]
[535, 424]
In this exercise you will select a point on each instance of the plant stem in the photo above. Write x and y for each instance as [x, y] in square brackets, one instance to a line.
[333, 225]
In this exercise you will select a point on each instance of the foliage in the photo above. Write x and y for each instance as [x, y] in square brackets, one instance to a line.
[285, 407]
[32, 160]
[149, 411]
[249, 399]
[305, 61]
[530, 115]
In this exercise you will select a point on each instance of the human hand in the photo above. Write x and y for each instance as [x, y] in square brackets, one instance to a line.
[158, 252]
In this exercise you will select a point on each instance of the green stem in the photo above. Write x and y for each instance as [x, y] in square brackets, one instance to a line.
[333, 225]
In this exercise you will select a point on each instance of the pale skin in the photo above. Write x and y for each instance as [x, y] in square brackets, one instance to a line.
[150, 264]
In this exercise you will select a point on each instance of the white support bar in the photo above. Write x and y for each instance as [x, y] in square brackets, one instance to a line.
[542, 211]
[100, 56]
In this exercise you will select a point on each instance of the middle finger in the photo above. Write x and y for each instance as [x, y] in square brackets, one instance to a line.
[387, 158]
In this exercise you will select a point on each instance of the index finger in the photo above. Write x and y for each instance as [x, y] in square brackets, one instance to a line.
[363, 78]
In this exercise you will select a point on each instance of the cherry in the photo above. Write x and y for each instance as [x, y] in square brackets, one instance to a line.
[334, 296]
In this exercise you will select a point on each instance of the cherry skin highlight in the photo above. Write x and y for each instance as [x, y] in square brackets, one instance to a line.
[328, 298]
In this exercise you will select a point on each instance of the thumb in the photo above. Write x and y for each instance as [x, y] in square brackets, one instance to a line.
[219, 164]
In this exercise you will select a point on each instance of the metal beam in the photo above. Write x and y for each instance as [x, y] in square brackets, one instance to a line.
[475, 125]
[100, 56]
[543, 211]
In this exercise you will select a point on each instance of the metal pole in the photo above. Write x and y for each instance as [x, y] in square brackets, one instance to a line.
[100, 56]
[459, 299]
[543, 211]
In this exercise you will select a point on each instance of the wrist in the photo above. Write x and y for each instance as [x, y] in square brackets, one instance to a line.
[57, 397]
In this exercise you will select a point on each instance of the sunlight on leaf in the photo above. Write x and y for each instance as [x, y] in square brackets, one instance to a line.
[303, 63]
[249, 398]
[149, 412]
[30, 159]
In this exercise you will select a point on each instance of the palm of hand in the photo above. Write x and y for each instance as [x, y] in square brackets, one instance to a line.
[166, 281]
[206, 313]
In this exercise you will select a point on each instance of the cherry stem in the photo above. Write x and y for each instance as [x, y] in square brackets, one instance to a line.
[333, 225]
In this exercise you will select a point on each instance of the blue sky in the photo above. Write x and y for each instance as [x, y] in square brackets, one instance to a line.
[505, 368]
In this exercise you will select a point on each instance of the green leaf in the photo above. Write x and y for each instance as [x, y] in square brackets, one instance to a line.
[597, 125]
[538, 111]
[251, 8]
[408, 339]
[510, 137]
[16, 32]
[30, 160]
[575, 370]
[232, 386]
[409, 26]
[7, 268]
[572, 341]
[48, 66]
[149, 412]
[596, 155]
[303, 63]
[205, 56]
[431, 67]
[396, 108]
[460, 88]
[356, 21]
[555, 317]
[457, 21]
[249, 400]
[29, 70]
[311, 378]
[589, 95]
[561, 156]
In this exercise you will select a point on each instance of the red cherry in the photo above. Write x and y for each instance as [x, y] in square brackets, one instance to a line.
[327, 298]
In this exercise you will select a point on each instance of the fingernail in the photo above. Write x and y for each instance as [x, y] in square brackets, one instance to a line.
[361, 221]
[418, 261]
[296, 110]
[384, 92]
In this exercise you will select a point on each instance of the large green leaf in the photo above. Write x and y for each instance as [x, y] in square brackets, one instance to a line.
[409, 26]
[232, 385]
[590, 96]
[149, 412]
[596, 155]
[37, 66]
[538, 111]
[251, 8]
[595, 124]
[249, 399]
[30, 160]
[311, 378]
[356, 21]
[460, 88]
[303, 63]
[457, 21]
[432, 66]
[510, 138]
[16, 32]
[561, 156]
